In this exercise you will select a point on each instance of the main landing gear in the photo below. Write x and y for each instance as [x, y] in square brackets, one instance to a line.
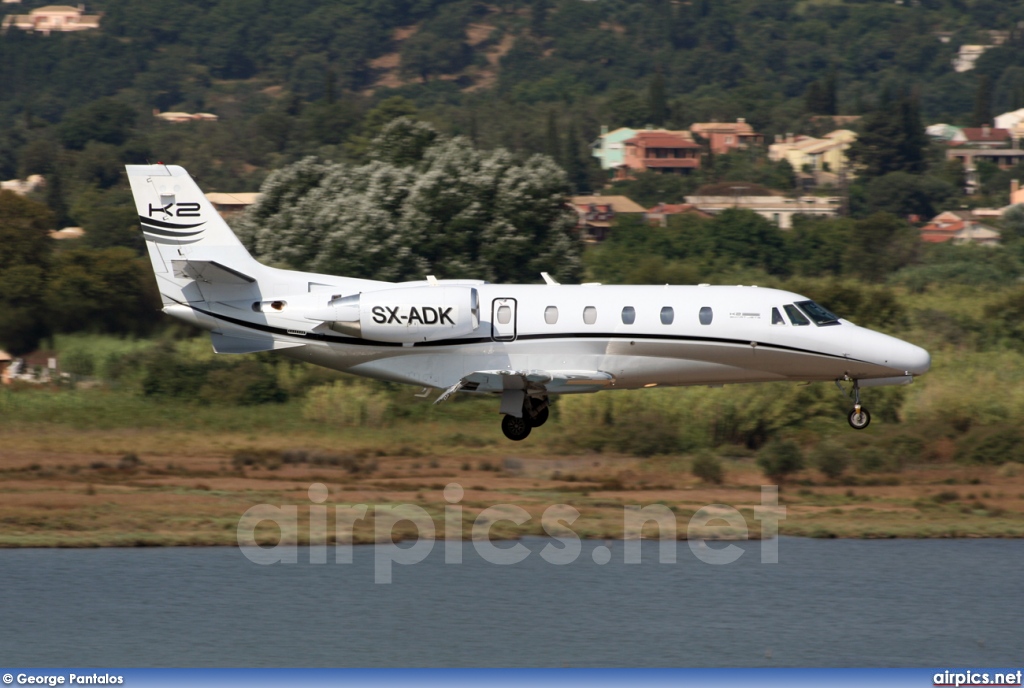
[535, 414]
[859, 417]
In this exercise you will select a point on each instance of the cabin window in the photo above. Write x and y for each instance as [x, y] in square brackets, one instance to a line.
[504, 315]
[551, 315]
[705, 315]
[819, 314]
[589, 315]
[628, 315]
[667, 315]
[777, 318]
[795, 316]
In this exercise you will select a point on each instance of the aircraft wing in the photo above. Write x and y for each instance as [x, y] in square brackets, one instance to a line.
[209, 271]
[549, 381]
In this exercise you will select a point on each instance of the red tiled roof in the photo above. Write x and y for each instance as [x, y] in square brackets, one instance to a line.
[655, 139]
[675, 209]
[671, 162]
[939, 233]
[986, 134]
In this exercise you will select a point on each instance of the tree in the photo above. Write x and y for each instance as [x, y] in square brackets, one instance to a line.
[879, 245]
[572, 161]
[982, 113]
[105, 120]
[108, 290]
[779, 459]
[657, 105]
[539, 17]
[893, 140]
[745, 238]
[903, 194]
[448, 210]
[24, 261]
[552, 141]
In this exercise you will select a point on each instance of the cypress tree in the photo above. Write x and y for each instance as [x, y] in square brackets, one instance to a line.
[982, 102]
[657, 107]
[552, 141]
[830, 99]
[573, 163]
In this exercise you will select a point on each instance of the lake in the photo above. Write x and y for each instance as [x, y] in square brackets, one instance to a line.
[829, 603]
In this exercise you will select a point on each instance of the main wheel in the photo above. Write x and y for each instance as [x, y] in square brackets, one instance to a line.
[859, 419]
[540, 419]
[516, 429]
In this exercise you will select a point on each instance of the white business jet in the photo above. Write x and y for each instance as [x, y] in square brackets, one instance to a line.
[521, 342]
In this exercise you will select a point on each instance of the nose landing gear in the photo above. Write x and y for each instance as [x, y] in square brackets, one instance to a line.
[859, 417]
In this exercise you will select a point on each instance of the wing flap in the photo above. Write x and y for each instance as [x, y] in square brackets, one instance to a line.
[230, 344]
[543, 381]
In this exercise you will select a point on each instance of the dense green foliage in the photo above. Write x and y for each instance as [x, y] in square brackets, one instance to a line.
[424, 204]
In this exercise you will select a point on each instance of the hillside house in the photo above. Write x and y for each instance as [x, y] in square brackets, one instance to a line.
[53, 18]
[959, 227]
[998, 145]
[723, 137]
[822, 159]
[177, 117]
[661, 152]
[228, 204]
[659, 214]
[23, 187]
[597, 213]
[772, 206]
[984, 138]
[610, 147]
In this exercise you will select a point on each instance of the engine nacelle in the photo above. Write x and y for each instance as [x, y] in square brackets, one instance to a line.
[407, 314]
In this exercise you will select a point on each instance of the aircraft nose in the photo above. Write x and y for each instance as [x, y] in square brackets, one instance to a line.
[909, 358]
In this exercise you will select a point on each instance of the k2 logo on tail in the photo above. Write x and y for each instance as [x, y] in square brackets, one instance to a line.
[163, 232]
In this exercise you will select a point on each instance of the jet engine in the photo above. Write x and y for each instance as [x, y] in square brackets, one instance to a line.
[407, 314]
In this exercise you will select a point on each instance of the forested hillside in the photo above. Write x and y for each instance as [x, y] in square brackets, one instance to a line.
[290, 78]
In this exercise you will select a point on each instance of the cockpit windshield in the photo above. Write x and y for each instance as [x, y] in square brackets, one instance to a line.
[818, 314]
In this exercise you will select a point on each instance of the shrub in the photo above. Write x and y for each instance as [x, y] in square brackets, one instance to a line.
[347, 404]
[870, 460]
[779, 459]
[129, 461]
[994, 448]
[831, 458]
[708, 468]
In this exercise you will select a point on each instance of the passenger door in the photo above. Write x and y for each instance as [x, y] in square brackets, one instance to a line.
[503, 320]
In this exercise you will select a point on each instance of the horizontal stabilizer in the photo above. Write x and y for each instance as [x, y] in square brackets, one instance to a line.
[228, 344]
[209, 271]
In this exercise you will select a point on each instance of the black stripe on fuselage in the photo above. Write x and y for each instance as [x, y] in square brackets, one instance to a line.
[166, 225]
[317, 336]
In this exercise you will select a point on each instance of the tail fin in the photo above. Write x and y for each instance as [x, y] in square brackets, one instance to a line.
[181, 226]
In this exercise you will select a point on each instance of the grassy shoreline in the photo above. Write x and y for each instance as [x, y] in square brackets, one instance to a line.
[64, 486]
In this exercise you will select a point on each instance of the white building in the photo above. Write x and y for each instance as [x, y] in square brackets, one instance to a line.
[968, 55]
[53, 18]
[777, 209]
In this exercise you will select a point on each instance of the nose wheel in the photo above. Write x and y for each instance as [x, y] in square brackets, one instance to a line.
[859, 417]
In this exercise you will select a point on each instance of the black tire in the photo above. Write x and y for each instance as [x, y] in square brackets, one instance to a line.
[541, 418]
[516, 429]
[859, 421]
